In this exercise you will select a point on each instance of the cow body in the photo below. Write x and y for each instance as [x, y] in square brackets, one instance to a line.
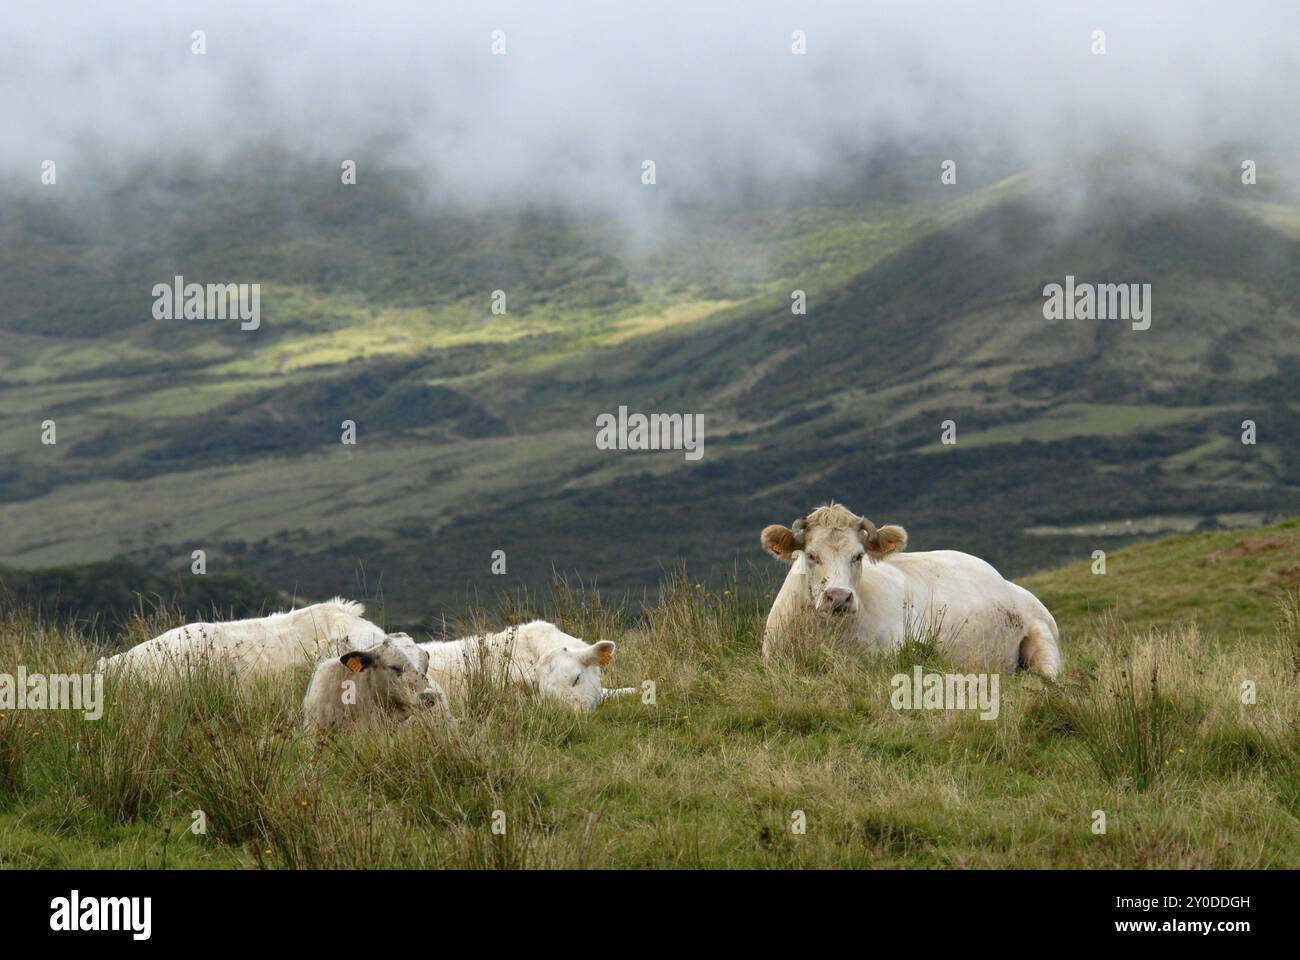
[843, 568]
[537, 655]
[260, 645]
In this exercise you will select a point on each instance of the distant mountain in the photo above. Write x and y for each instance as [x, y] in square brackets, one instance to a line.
[476, 430]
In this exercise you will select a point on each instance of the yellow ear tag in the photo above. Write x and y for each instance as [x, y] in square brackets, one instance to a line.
[354, 664]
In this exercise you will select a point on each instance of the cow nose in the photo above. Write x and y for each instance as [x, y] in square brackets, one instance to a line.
[838, 600]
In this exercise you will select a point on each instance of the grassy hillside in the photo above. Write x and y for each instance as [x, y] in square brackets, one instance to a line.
[476, 430]
[1146, 725]
[1227, 584]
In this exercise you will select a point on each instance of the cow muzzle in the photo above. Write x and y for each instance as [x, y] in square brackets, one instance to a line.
[837, 601]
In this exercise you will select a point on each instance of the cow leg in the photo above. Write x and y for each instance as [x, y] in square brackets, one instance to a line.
[1039, 651]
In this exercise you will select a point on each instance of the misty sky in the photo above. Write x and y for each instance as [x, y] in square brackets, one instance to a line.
[587, 90]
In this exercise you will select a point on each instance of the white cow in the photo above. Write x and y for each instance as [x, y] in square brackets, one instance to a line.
[259, 645]
[388, 680]
[978, 616]
[538, 655]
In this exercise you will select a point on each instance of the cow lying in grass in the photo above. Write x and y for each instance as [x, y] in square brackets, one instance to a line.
[842, 566]
[388, 680]
[260, 645]
[538, 655]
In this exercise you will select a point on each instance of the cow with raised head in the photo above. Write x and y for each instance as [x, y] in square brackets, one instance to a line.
[844, 568]
[387, 681]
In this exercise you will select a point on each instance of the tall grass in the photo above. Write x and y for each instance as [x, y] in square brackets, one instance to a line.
[708, 771]
[1130, 728]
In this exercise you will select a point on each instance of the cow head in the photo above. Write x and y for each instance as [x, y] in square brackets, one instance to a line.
[395, 673]
[831, 544]
[572, 673]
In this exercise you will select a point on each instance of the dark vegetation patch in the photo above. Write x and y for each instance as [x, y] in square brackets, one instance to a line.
[108, 595]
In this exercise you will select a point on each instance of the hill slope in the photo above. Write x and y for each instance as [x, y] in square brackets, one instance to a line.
[476, 431]
[1228, 584]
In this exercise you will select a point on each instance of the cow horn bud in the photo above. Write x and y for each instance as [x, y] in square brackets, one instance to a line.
[797, 528]
[868, 533]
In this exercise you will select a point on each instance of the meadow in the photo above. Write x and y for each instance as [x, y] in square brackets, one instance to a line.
[1147, 724]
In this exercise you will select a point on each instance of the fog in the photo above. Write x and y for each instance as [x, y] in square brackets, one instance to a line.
[586, 91]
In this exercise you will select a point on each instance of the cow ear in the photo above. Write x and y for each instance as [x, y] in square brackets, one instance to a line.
[892, 539]
[780, 542]
[358, 660]
[600, 654]
[881, 543]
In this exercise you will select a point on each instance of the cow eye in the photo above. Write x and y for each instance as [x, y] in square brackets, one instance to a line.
[814, 558]
[397, 669]
[575, 680]
[857, 557]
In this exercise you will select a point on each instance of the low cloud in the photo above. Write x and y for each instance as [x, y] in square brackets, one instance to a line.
[586, 91]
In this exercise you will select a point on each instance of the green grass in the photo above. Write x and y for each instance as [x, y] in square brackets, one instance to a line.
[1221, 581]
[1081, 420]
[1147, 725]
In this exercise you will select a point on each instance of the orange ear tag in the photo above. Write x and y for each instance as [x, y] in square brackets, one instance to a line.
[354, 664]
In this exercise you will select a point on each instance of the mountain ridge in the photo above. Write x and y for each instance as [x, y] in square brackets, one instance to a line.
[476, 433]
